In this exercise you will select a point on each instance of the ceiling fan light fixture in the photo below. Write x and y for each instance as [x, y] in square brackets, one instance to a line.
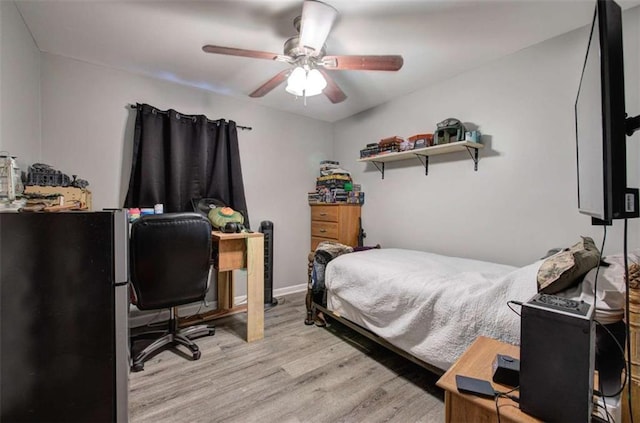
[297, 80]
[305, 83]
[297, 93]
[315, 82]
[307, 55]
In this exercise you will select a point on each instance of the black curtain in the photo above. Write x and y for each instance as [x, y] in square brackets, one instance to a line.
[178, 158]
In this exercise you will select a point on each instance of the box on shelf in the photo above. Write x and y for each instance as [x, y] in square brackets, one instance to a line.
[390, 145]
[70, 195]
[390, 140]
[369, 151]
[473, 136]
[421, 140]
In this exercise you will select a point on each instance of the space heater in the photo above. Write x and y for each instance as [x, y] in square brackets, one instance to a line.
[266, 228]
[557, 357]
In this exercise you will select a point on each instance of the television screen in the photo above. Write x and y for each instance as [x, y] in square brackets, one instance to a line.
[591, 188]
[600, 120]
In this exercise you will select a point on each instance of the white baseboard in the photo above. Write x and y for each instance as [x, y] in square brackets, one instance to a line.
[294, 289]
[139, 318]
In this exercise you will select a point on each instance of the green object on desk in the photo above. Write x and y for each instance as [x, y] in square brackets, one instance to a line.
[220, 216]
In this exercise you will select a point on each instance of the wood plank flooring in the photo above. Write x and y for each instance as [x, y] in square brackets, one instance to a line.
[296, 374]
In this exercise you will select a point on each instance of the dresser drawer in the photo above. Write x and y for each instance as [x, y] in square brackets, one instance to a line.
[324, 230]
[325, 213]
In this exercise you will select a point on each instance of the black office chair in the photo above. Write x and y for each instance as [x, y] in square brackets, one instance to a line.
[170, 260]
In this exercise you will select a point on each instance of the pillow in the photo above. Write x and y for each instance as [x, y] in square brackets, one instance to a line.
[564, 269]
[551, 252]
[611, 295]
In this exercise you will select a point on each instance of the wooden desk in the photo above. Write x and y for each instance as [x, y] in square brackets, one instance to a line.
[476, 362]
[238, 251]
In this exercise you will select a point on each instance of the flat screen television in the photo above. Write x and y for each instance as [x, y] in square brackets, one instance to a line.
[601, 123]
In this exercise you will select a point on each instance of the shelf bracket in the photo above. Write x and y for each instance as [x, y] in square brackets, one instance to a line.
[474, 157]
[379, 167]
[424, 162]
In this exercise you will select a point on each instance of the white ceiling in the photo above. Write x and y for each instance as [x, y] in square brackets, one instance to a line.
[163, 39]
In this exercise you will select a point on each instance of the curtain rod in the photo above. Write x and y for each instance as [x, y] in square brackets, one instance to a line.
[244, 128]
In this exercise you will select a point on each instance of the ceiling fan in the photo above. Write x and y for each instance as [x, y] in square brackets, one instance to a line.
[306, 54]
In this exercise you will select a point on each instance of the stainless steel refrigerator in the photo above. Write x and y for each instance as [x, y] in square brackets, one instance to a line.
[63, 317]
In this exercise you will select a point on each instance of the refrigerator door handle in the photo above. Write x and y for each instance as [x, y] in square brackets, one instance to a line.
[121, 247]
[121, 279]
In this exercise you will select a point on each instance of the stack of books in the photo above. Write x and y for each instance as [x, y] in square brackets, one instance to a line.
[334, 185]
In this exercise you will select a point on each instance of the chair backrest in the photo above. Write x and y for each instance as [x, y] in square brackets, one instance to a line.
[170, 259]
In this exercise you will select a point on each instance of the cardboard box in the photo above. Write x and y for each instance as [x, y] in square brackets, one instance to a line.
[70, 194]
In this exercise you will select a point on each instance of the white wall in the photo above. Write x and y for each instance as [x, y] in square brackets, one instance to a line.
[87, 130]
[19, 88]
[522, 201]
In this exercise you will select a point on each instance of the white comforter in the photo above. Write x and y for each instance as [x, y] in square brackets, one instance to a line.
[429, 305]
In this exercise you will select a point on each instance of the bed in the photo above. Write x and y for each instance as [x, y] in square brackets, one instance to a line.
[428, 307]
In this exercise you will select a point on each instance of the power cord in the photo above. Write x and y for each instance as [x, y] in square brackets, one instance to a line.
[627, 356]
[626, 316]
[607, 414]
[595, 300]
[626, 370]
[518, 303]
[604, 401]
[281, 301]
[595, 284]
[499, 395]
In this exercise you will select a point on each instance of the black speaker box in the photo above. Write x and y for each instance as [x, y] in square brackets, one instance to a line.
[557, 359]
[506, 370]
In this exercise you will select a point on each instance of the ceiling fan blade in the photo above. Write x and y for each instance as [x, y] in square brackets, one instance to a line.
[230, 51]
[378, 63]
[332, 90]
[270, 84]
[315, 24]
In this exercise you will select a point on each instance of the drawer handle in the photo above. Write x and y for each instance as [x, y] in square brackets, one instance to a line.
[323, 214]
[323, 230]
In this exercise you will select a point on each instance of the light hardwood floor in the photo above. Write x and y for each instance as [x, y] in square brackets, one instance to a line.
[298, 373]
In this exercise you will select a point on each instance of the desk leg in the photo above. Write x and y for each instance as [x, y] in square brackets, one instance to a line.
[255, 288]
[225, 290]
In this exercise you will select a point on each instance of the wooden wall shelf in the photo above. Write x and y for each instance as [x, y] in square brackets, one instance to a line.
[423, 154]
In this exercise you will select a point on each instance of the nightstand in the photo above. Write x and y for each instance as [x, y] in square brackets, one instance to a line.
[476, 362]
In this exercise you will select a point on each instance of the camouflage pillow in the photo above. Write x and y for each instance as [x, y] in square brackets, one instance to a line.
[567, 267]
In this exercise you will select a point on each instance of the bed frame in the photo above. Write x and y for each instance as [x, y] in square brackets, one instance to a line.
[317, 314]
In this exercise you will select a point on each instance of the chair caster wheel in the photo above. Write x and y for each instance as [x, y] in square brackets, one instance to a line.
[137, 367]
[196, 355]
